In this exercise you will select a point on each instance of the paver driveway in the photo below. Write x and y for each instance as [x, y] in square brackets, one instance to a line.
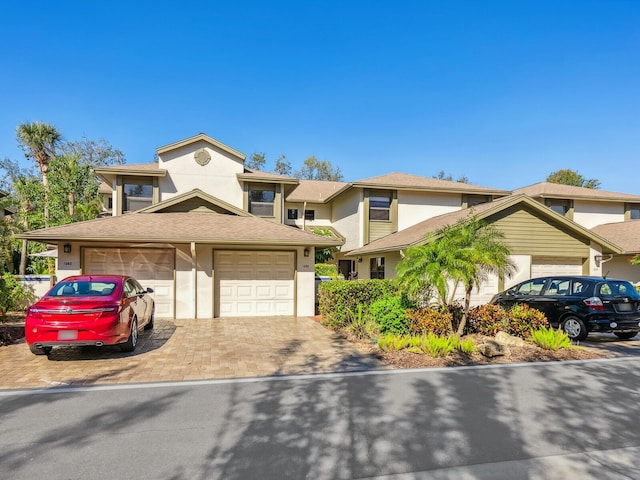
[192, 350]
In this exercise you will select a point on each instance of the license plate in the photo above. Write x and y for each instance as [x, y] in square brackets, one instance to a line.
[67, 335]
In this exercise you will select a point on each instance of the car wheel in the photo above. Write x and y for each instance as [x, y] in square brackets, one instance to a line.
[149, 326]
[574, 328]
[39, 350]
[132, 341]
[625, 335]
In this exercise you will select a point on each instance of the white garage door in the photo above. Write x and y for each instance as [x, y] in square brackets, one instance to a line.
[547, 266]
[152, 267]
[249, 283]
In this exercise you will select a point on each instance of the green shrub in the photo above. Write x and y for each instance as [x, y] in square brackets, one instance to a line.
[14, 296]
[519, 320]
[361, 325]
[389, 313]
[522, 319]
[550, 338]
[438, 346]
[326, 270]
[464, 346]
[434, 345]
[421, 321]
[339, 300]
[486, 319]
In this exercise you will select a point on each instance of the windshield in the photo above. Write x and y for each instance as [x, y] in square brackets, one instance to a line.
[83, 288]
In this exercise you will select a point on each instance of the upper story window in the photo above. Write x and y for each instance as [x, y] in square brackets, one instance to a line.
[292, 214]
[261, 201]
[473, 200]
[376, 266]
[309, 214]
[559, 206]
[380, 207]
[633, 211]
[136, 196]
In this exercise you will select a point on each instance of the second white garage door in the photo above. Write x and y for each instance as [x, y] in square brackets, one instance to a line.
[253, 283]
[547, 266]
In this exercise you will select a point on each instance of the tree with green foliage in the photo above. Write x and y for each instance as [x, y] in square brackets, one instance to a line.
[39, 141]
[256, 161]
[96, 153]
[282, 167]
[567, 176]
[314, 169]
[442, 175]
[460, 254]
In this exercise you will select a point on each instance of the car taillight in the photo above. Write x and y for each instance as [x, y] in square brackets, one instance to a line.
[111, 309]
[595, 303]
[33, 312]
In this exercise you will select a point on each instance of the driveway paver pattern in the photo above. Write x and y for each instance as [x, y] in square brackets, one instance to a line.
[177, 350]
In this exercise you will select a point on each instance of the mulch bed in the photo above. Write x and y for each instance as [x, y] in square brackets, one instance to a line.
[515, 354]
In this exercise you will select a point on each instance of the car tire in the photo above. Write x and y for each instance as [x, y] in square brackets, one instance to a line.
[132, 341]
[39, 350]
[149, 325]
[574, 328]
[625, 335]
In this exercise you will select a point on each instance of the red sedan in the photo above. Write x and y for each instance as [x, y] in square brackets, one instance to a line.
[92, 310]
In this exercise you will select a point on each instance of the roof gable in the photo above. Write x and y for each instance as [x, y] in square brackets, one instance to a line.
[193, 201]
[201, 137]
[489, 212]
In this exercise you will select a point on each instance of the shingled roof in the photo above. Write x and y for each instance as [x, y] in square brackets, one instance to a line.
[415, 234]
[558, 190]
[316, 191]
[624, 234]
[181, 227]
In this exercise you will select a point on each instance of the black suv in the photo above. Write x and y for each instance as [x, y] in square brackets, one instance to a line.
[580, 304]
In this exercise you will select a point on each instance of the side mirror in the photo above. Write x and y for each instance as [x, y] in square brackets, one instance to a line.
[149, 290]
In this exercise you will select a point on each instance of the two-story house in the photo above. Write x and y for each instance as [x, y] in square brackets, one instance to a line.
[205, 233]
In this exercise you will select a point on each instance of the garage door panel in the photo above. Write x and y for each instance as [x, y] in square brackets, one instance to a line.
[549, 266]
[254, 283]
[152, 267]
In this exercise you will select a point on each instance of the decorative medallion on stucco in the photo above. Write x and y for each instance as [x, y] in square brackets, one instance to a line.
[202, 156]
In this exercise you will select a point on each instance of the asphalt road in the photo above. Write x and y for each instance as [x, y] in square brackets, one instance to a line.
[546, 421]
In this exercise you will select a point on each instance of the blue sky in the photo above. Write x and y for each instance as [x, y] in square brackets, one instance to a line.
[504, 92]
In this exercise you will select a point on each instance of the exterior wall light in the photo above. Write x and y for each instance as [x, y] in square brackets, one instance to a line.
[306, 252]
[66, 248]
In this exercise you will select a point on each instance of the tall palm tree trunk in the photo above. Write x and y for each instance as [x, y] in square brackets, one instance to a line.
[465, 311]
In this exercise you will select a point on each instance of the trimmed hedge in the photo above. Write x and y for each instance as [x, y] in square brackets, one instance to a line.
[390, 315]
[340, 299]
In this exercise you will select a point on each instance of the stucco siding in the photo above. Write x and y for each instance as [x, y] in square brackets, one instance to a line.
[322, 214]
[414, 207]
[589, 214]
[619, 267]
[204, 279]
[347, 218]
[185, 294]
[217, 177]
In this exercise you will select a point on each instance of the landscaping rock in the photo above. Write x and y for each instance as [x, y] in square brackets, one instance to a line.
[491, 348]
[506, 339]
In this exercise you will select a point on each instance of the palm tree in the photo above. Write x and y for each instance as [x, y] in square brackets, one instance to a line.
[39, 141]
[460, 254]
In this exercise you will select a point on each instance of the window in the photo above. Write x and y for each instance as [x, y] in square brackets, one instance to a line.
[558, 287]
[559, 206]
[110, 203]
[292, 214]
[137, 196]
[380, 208]
[534, 287]
[633, 210]
[309, 214]
[473, 200]
[377, 268]
[261, 202]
